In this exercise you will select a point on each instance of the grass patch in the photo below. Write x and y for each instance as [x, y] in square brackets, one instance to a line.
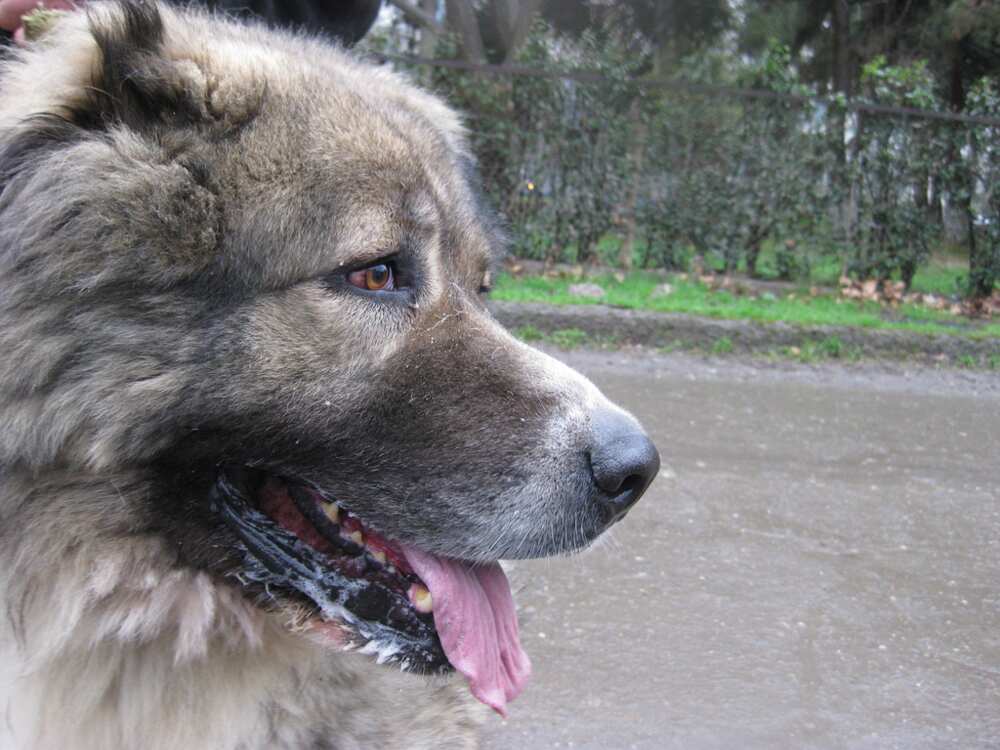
[723, 345]
[817, 351]
[691, 297]
[564, 338]
[529, 334]
[677, 345]
[941, 281]
[831, 347]
[945, 273]
[943, 278]
[568, 338]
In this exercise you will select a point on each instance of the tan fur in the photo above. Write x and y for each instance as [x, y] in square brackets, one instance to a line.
[180, 203]
[106, 643]
[114, 647]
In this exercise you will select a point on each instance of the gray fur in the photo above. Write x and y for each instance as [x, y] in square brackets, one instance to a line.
[181, 196]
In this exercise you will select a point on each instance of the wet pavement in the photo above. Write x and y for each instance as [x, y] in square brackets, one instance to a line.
[818, 566]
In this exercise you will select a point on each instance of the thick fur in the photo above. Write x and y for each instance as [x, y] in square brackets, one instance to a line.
[181, 198]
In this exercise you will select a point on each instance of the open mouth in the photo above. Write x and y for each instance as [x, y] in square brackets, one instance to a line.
[403, 605]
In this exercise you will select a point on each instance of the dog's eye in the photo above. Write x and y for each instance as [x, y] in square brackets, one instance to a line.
[377, 278]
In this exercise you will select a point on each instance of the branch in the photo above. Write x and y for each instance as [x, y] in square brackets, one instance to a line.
[418, 17]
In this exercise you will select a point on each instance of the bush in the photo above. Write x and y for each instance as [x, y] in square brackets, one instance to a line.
[688, 173]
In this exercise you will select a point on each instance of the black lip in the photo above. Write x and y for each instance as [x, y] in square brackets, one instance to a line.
[380, 618]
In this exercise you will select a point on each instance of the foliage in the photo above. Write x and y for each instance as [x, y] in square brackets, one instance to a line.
[723, 345]
[890, 171]
[782, 182]
[984, 166]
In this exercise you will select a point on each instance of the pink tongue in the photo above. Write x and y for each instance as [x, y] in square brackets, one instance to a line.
[475, 619]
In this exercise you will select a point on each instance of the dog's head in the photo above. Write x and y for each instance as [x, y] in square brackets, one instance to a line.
[252, 270]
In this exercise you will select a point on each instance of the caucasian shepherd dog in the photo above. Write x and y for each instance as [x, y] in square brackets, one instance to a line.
[258, 430]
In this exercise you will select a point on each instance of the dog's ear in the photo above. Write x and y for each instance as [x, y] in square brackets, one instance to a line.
[100, 128]
[102, 67]
[134, 83]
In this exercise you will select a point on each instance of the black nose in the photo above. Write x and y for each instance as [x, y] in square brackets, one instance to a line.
[624, 461]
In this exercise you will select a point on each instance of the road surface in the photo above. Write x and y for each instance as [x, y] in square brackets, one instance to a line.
[818, 566]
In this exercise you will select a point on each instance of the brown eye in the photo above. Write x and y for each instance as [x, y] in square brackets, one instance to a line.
[374, 278]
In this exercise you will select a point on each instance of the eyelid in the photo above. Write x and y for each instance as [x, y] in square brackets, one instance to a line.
[405, 280]
[363, 263]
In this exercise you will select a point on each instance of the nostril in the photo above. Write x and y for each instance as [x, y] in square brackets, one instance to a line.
[634, 484]
[619, 494]
[623, 461]
[613, 478]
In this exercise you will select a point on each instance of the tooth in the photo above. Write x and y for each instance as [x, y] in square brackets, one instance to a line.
[358, 538]
[421, 598]
[378, 555]
[332, 511]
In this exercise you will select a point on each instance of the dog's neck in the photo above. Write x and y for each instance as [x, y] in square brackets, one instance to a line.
[109, 642]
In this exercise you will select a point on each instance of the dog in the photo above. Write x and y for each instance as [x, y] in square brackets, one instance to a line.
[258, 430]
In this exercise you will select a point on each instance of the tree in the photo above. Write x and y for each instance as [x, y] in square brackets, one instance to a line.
[984, 160]
[491, 34]
[663, 31]
[655, 34]
[834, 40]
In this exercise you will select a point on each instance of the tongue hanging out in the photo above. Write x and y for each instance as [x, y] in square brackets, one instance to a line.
[380, 594]
[476, 622]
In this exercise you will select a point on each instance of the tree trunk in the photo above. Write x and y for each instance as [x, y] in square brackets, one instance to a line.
[982, 274]
[513, 19]
[935, 209]
[853, 188]
[418, 15]
[636, 153]
[462, 18]
[753, 253]
[841, 75]
[983, 271]
[920, 191]
[428, 36]
[841, 49]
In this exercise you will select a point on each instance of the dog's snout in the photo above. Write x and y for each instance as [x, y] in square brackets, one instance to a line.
[624, 461]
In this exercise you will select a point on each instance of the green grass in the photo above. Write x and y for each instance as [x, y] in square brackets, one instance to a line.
[722, 346]
[568, 338]
[529, 334]
[945, 274]
[695, 298]
[831, 347]
[939, 280]
[677, 345]
[816, 351]
[564, 338]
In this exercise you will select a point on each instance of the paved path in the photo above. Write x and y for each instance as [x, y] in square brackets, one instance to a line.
[818, 566]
